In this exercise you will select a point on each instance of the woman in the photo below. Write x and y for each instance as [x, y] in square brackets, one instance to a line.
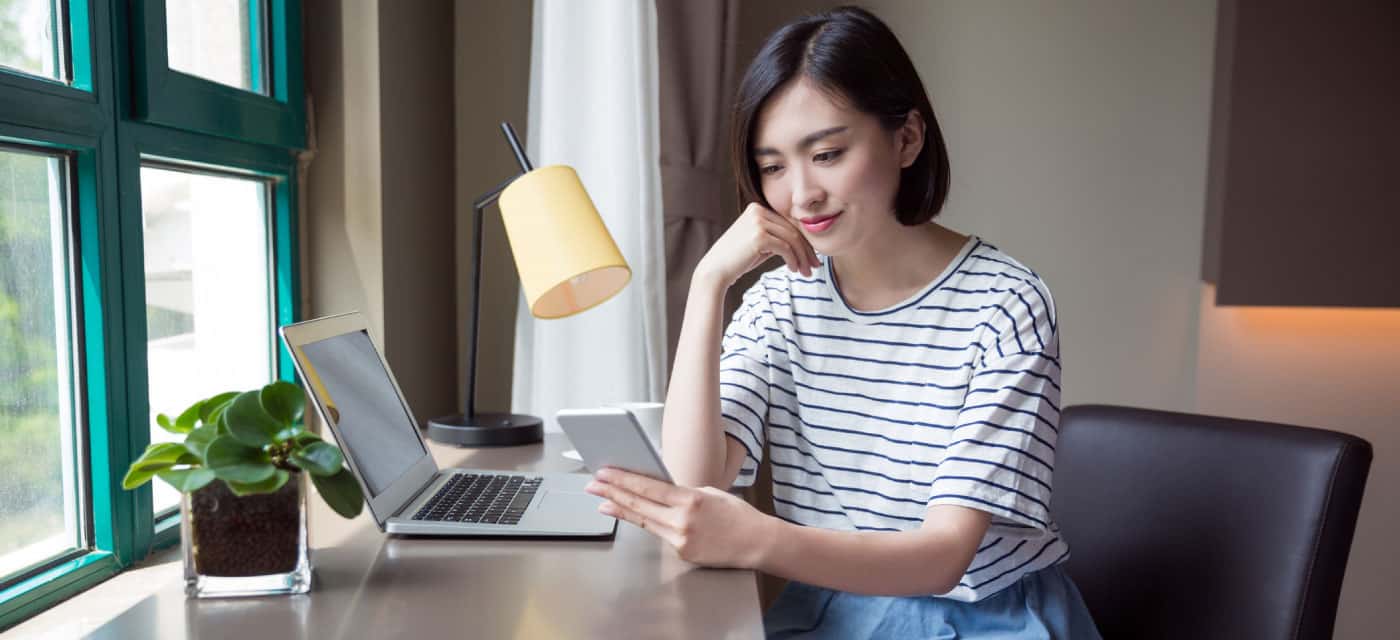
[904, 377]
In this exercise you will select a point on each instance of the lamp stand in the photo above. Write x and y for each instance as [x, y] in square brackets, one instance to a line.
[472, 429]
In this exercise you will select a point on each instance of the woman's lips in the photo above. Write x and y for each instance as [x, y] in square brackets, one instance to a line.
[821, 224]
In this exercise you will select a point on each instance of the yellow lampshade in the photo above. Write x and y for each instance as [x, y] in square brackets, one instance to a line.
[566, 258]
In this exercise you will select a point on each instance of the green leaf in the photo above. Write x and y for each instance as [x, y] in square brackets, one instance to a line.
[289, 433]
[341, 492]
[210, 410]
[233, 461]
[136, 477]
[271, 484]
[185, 423]
[160, 453]
[157, 457]
[164, 422]
[187, 480]
[198, 441]
[283, 401]
[319, 458]
[306, 438]
[249, 422]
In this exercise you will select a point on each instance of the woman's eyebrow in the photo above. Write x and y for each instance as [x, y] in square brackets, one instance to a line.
[806, 141]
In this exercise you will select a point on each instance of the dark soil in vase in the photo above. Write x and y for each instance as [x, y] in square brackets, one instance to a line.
[245, 536]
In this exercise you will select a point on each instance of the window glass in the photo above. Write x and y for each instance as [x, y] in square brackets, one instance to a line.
[39, 516]
[30, 38]
[208, 292]
[217, 40]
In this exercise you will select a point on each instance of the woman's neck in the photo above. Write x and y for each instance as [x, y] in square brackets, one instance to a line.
[899, 263]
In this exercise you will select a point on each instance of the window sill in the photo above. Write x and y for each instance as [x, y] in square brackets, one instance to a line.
[83, 613]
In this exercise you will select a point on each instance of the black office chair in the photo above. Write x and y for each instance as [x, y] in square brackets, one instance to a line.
[1188, 526]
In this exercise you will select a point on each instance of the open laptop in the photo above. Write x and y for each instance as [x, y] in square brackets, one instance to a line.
[355, 393]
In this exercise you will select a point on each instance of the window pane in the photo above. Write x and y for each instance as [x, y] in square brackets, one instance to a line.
[208, 293]
[218, 40]
[30, 37]
[39, 515]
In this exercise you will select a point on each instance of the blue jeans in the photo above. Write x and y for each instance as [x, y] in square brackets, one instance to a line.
[1044, 604]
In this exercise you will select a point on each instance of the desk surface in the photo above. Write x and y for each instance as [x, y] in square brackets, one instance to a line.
[369, 585]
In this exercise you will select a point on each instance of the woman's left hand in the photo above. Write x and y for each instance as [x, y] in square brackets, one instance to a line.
[706, 526]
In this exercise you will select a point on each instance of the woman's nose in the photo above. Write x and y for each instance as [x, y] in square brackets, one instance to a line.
[807, 195]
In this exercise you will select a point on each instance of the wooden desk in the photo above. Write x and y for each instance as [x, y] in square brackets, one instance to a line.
[368, 585]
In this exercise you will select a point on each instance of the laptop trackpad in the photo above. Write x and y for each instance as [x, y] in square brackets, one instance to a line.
[569, 503]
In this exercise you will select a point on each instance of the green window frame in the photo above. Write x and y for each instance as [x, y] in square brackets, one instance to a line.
[114, 113]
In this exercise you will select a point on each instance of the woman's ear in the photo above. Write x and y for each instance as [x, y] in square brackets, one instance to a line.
[910, 138]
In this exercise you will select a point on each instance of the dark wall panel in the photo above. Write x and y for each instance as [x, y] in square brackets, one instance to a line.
[1304, 196]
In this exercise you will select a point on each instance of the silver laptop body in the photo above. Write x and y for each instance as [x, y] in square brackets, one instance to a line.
[356, 395]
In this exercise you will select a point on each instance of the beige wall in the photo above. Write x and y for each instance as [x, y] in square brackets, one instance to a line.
[379, 223]
[343, 221]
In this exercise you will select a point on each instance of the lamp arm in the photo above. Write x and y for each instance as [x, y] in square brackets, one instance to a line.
[478, 212]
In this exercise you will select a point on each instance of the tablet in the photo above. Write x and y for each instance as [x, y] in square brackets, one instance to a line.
[612, 437]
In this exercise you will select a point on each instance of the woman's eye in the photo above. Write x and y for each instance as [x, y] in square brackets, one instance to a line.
[770, 169]
[827, 156]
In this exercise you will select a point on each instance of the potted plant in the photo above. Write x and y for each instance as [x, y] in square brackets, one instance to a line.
[240, 470]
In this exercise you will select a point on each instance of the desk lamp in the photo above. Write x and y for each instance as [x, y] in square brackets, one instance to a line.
[567, 263]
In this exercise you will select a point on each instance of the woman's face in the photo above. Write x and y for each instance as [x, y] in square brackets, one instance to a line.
[830, 168]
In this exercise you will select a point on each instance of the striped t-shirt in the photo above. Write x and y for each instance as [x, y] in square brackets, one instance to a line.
[870, 417]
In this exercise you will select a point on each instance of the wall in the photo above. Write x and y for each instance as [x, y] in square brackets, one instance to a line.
[379, 224]
[343, 221]
[492, 80]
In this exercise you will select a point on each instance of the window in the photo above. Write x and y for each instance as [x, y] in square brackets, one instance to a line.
[31, 38]
[208, 305]
[146, 258]
[217, 40]
[39, 516]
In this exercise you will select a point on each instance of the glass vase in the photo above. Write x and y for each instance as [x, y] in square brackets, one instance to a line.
[245, 546]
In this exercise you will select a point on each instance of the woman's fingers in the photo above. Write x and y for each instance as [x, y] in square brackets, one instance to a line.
[790, 244]
[640, 519]
[784, 248]
[788, 231]
[633, 503]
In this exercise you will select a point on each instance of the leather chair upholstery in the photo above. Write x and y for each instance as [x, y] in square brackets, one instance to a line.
[1189, 526]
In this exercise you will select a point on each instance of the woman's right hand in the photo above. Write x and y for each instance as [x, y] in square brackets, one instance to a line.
[758, 234]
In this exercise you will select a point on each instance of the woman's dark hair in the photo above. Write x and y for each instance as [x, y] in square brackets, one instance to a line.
[852, 56]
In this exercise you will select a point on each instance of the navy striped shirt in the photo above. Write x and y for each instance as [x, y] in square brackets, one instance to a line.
[869, 417]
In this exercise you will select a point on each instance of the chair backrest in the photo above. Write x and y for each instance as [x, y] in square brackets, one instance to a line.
[1189, 526]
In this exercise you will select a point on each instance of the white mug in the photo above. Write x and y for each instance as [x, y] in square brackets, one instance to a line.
[649, 415]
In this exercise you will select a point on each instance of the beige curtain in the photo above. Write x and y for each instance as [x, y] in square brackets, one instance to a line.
[695, 53]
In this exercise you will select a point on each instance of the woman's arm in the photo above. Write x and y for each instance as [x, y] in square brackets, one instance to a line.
[928, 560]
[693, 443]
[692, 437]
[710, 527]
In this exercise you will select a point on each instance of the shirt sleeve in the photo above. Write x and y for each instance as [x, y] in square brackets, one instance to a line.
[744, 379]
[1001, 454]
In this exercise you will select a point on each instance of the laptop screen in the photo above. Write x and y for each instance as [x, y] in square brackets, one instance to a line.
[353, 387]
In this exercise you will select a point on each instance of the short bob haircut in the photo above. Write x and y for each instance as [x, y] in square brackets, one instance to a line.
[853, 57]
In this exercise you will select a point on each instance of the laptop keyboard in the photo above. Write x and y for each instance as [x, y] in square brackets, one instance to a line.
[483, 498]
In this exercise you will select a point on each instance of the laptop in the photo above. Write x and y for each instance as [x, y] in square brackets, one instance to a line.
[356, 395]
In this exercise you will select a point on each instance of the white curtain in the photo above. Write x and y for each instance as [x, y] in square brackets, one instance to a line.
[594, 106]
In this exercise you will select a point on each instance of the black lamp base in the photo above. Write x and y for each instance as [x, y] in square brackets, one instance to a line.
[487, 430]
